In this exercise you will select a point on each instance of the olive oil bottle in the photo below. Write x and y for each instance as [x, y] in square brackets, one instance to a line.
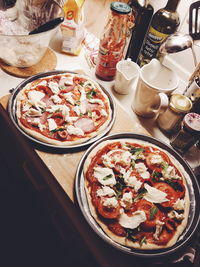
[164, 23]
[142, 12]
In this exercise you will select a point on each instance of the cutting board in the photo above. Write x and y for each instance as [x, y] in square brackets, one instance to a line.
[63, 166]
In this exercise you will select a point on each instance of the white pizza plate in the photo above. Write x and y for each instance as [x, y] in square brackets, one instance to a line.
[12, 113]
[194, 194]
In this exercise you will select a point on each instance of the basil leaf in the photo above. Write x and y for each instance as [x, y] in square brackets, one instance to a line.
[130, 234]
[164, 165]
[107, 177]
[81, 83]
[90, 94]
[143, 240]
[136, 150]
[142, 192]
[153, 212]
[90, 113]
[56, 130]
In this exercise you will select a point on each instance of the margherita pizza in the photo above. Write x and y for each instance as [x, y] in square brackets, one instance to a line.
[63, 110]
[137, 193]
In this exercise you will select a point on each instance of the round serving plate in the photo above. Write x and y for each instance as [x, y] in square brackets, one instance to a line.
[12, 111]
[193, 188]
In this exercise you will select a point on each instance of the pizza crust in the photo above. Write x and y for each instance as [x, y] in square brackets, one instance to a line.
[52, 141]
[123, 240]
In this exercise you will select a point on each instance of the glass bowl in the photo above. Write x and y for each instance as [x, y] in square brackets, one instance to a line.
[18, 48]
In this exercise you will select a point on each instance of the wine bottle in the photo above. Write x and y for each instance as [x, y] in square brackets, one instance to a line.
[164, 23]
[142, 12]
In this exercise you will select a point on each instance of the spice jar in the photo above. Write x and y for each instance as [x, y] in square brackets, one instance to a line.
[189, 133]
[170, 120]
[113, 40]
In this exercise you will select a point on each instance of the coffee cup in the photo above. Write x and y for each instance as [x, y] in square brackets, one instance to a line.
[156, 82]
[127, 72]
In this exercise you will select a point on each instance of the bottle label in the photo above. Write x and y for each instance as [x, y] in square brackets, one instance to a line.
[107, 60]
[152, 43]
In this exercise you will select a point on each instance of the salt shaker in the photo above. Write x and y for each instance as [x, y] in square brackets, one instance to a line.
[179, 105]
[189, 133]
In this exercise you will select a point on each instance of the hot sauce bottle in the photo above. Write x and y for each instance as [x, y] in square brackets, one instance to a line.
[113, 40]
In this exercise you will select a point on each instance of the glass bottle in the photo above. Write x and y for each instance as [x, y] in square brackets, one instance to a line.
[142, 13]
[113, 40]
[164, 23]
[189, 133]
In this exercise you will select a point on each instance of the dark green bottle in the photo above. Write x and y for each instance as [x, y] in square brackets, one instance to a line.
[164, 23]
[142, 12]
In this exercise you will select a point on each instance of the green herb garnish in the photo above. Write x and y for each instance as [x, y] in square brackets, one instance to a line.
[153, 212]
[107, 177]
[56, 130]
[140, 195]
[156, 176]
[136, 150]
[90, 113]
[130, 234]
[164, 165]
[90, 94]
[81, 83]
[143, 240]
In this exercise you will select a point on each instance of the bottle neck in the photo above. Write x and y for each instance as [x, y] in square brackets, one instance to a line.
[172, 5]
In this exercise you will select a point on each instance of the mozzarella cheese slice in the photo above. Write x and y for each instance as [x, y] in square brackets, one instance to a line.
[134, 221]
[105, 176]
[52, 124]
[74, 130]
[54, 87]
[35, 96]
[154, 195]
[106, 191]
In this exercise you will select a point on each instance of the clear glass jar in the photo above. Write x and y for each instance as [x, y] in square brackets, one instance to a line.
[189, 133]
[170, 120]
[113, 40]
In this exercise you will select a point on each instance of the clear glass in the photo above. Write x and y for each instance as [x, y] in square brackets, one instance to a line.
[17, 47]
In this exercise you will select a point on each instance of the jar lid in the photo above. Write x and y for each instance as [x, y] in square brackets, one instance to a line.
[192, 122]
[119, 7]
[180, 103]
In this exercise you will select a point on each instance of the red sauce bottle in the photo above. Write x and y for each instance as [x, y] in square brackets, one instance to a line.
[113, 40]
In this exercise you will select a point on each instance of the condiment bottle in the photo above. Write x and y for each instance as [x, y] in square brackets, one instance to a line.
[170, 120]
[189, 133]
[164, 23]
[113, 40]
[142, 12]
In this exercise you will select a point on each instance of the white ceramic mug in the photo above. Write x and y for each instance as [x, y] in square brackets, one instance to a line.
[126, 73]
[154, 85]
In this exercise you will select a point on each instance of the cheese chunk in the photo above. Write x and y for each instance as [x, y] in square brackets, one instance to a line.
[175, 215]
[105, 176]
[56, 99]
[105, 191]
[96, 101]
[33, 113]
[142, 170]
[52, 124]
[74, 130]
[37, 122]
[170, 173]
[156, 159]
[69, 97]
[154, 195]
[127, 200]
[179, 204]
[110, 202]
[67, 80]
[134, 221]
[54, 87]
[131, 180]
[35, 96]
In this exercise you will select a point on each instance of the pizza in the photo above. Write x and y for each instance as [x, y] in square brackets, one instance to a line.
[63, 110]
[137, 193]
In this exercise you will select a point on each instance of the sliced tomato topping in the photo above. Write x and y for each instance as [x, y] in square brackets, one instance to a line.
[95, 198]
[171, 193]
[117, 229]
[157, 166]
[164, 238]
[152, 213]
[106, 212]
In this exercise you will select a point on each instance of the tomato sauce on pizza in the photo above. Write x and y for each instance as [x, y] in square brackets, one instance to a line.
[63, 109]
[137, 192]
